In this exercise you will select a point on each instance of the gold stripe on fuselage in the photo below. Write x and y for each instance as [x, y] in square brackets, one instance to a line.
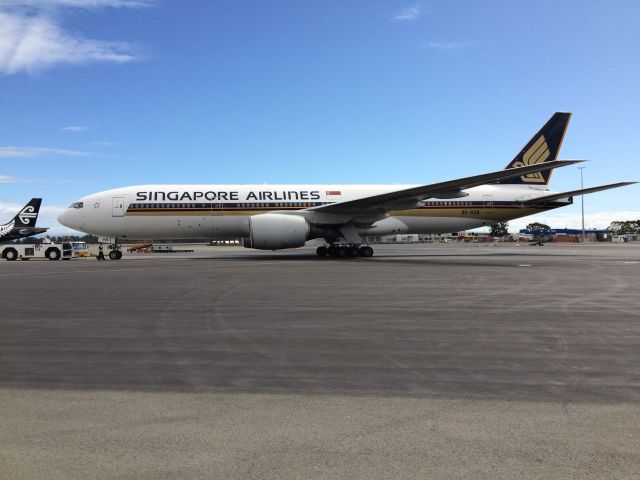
[199, 213]
[496, 213]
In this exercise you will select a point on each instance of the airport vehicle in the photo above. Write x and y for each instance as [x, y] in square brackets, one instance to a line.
[286, 216]
[157, 248]
[51, 251]
[24, 223]
[80, 249]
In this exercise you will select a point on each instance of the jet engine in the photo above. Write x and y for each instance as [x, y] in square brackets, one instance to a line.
[274, 231]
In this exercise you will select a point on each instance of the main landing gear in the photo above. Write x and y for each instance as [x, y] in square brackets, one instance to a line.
[344, 250]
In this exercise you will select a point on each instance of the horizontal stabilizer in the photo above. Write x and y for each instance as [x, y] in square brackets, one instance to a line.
[573, 193]
[27, 232]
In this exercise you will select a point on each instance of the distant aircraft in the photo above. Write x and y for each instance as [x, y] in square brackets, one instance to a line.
[24, 223]
[285, 216]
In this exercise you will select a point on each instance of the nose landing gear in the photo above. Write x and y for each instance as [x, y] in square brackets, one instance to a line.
[344, 250]
[114, 254]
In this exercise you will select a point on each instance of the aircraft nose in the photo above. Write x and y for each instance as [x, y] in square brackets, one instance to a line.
[64, 219]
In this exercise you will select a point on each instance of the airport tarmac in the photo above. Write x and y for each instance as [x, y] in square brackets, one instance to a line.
[425, 361]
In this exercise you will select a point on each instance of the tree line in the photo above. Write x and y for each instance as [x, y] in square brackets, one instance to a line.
[618, 227]
[624, 227]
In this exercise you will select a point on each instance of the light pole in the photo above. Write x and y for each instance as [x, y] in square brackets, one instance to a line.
[582, 197]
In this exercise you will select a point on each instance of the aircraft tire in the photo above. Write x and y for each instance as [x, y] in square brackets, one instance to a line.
[354, 252]
[10, 254]
[52, 254]
[342, 252]
[322, 251]
[113, 255]
[366, 252]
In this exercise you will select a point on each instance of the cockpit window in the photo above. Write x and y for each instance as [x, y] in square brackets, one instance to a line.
[76, 205]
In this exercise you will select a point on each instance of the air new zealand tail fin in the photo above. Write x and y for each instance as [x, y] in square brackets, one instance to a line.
[29, 214]
[543, 147]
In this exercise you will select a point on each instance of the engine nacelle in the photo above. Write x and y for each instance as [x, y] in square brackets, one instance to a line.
[274, 231]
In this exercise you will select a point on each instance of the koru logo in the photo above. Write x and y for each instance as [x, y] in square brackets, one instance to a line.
[27, 214]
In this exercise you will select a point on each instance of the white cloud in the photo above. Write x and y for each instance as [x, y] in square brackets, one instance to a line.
[446, 46]
[32, 152]
[408, 14]
[8, 179]
[77, 129]
[32, 38]
[8, 210]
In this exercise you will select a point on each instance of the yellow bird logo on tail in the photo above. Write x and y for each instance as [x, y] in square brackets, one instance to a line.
[537, 153]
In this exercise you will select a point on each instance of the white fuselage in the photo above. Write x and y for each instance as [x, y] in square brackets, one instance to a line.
[157, 212]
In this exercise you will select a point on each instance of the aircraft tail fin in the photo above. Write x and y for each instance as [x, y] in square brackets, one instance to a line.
[28, 216]
[543, 147]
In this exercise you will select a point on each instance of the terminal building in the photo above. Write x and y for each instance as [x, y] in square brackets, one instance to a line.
[570, 235]
[413, 238]
[556, 235]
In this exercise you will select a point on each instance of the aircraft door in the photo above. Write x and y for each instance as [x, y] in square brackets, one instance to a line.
[118, 207]
[216, 208]
[487, 203]
[213, 224]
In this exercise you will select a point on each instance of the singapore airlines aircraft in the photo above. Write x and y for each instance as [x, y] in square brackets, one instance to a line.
[286, 216]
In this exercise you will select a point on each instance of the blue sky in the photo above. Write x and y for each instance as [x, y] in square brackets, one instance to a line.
[96, 94]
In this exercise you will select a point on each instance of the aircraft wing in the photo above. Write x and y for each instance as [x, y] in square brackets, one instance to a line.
[573, 193]
[408, 198]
